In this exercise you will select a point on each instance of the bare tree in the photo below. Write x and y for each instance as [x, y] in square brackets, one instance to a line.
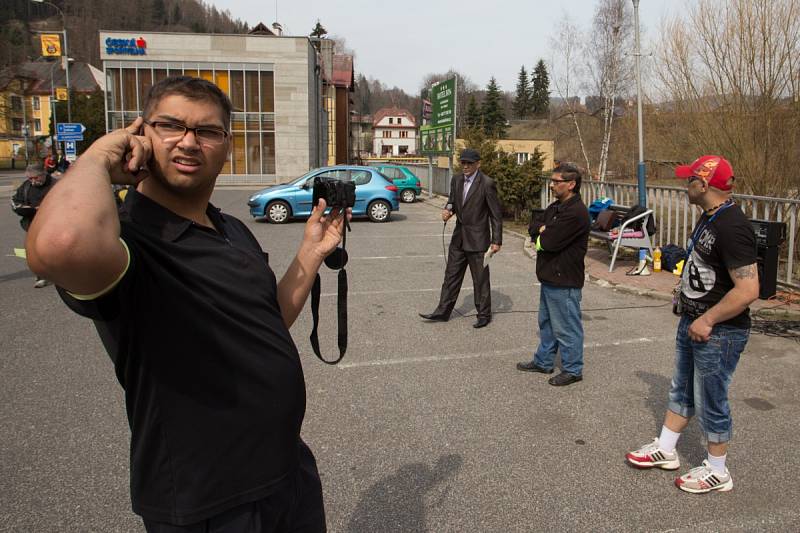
[609, 64]
[564, 69]
[730, 72]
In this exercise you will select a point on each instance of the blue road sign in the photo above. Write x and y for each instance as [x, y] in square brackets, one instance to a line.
[70, 150]
[70, 128]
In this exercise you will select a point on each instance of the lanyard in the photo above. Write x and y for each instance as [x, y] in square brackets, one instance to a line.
[699, 230]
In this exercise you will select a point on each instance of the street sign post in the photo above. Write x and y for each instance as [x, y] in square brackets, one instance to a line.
[69, 131]
[70, 151]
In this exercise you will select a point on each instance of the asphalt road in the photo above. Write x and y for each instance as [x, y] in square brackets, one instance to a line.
[423, 426]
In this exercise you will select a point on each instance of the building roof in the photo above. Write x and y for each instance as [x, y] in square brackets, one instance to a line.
[83, 77]
[380, 114]
[343, 75]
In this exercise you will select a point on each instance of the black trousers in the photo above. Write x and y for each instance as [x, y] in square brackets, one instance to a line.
[296, 506]
[457, 261]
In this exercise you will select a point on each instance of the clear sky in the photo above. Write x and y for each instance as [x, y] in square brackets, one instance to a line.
[400, 41]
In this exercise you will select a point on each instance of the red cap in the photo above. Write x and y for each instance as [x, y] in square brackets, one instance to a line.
[713, 169]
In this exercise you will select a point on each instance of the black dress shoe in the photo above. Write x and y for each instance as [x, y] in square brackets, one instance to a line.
[530, 366]
[435, 317]
[482, 322]
[564, 378]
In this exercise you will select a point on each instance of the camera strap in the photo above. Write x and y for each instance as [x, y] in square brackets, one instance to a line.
[341, 301]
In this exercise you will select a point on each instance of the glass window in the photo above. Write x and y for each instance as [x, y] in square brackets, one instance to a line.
[399, 120]
[237, 122]
[237, 90]
[114, 121]
[238, 153]
[159, 74]
[128, 89]
[221, 79]
[251, 91]
[36, 103]
[37, 124]
[268, 153]
[267, 92]
[391, 120]
[207, 75]
[360, 177]
[192, 73]
[16, 103]
[252, 121]
[145, 82]
[115, 89]
[268, 122]
[253, 154]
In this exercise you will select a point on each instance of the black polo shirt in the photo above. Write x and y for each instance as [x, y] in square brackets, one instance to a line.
[213, 383]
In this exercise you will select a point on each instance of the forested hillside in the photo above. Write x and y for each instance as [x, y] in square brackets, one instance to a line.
[84, 18]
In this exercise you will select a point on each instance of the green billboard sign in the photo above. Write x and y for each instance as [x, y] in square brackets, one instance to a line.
[437, 137]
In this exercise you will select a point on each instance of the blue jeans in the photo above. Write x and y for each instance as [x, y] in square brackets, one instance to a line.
[703, 373]
[560, 329]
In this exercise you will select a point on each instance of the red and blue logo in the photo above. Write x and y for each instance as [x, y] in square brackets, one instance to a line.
[127, 47]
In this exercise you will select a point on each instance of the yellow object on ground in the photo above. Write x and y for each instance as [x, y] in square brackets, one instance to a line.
[20, 252]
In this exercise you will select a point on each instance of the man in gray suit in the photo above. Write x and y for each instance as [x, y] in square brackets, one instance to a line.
[479, 228]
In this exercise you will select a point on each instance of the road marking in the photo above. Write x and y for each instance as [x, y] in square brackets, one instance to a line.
[437, 289]
[495, 353]
[395, 236]
[416, 256]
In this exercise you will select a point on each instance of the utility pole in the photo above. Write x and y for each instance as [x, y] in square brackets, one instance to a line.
[65, 57]
[640, 168]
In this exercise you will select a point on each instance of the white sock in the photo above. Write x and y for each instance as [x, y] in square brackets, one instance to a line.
[668, 439]
[717, 463]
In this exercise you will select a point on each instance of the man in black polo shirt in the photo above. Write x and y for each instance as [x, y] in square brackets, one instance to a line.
[192, 316]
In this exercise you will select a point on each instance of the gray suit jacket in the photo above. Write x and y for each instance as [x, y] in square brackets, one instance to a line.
[479, 216]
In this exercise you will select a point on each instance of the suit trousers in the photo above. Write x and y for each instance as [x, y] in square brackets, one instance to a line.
[457, 261]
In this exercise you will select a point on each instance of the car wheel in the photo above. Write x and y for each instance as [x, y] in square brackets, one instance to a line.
[379, 211]
[408, 196]
[278, 212]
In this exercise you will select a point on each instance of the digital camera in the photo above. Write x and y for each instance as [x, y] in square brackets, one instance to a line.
[337, 193]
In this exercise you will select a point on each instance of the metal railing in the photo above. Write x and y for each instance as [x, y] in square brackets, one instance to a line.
[675, 217]
[441, 177]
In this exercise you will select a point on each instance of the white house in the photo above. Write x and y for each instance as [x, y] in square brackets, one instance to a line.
[394, 132]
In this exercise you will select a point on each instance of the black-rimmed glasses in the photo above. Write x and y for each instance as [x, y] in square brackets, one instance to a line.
[204, 135]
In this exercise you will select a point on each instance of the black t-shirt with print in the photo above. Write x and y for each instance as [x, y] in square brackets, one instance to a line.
[722, 243]
[213, 383]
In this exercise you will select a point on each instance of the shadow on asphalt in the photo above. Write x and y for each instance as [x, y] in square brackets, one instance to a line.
[399, 502]
[20, 274]
[691, 444]
[501, 303]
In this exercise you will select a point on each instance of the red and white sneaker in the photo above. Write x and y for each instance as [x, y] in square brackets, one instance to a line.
[651, 455]
[702, 479]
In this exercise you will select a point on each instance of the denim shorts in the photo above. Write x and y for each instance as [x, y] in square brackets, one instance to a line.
[703, 373]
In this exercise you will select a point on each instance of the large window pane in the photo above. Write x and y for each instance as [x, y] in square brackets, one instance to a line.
[207, 75]
[268, 122]
[237, 90]
[268, 153]
[129, 89]
[160, 74]
[115, 89]
[145, 82]
[221, 79]
[237, 121]
[253, 154]
[192, 73]
[251, 91]
[238, 153]
[226, 168]
[252, 121]
[267, 92]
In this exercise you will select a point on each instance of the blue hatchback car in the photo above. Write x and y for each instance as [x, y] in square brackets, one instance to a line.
[376, 197]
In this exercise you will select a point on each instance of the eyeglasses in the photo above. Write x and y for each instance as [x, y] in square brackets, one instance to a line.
[204, 135]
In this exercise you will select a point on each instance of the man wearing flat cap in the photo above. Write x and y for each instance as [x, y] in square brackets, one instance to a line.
[479, 229]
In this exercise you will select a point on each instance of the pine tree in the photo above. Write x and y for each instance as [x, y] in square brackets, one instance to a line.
[540, 93]
[319, 30]
[473, 117]
[158, 13]
[522, 103]
[494, 118]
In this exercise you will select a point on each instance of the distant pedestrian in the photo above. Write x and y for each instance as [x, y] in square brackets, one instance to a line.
[28, 197]
[561, 235]
[479, 229]
[719, 282]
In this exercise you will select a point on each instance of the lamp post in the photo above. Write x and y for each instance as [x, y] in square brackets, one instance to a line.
[640, 169]
[65, 57]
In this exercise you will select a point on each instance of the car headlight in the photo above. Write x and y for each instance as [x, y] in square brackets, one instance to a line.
[254, 198]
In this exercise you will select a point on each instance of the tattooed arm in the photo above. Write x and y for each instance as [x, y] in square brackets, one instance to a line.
[743, 293]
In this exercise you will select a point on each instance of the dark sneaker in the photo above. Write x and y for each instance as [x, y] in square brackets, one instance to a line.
[564, 378]
[530, 366]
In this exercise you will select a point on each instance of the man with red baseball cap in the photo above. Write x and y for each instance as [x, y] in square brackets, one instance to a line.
[719, 282]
